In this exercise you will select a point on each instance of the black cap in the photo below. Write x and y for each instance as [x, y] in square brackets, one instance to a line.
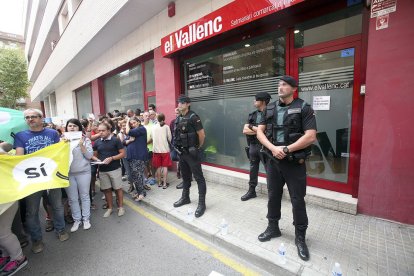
[290, 80]
[262, 96]
[184, 99]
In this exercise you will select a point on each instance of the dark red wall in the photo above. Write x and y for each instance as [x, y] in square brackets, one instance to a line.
[166, 84]
[386, 187]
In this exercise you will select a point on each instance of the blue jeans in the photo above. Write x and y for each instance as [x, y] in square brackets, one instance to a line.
[127, 169]
[79, 187]
[32, 213]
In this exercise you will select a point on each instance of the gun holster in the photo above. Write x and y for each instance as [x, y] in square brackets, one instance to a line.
[247, 150]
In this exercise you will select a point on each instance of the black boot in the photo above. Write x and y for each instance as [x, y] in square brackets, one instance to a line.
[185, 198]
[272, 231]
[251, 193]
[180, 186]
[303, 250]
[201, 207]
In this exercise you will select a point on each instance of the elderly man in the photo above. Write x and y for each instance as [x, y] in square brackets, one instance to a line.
[26, 142]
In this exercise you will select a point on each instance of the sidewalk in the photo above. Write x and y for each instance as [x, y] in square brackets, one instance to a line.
[362, 245]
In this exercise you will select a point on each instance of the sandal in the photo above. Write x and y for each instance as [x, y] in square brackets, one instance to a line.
[165, 186]
[146, 187]
[160, 184]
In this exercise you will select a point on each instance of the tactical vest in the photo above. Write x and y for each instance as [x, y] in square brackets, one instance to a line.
[252, 139]
[286, 131]
[185, 132]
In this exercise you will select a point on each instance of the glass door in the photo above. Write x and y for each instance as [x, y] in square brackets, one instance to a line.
[328, 81]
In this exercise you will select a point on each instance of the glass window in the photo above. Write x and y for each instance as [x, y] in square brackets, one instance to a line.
[330, 27]
[149, 75]
[222, 85]
[84, 102]
[326, 82]
[52, 101]
[123, 91]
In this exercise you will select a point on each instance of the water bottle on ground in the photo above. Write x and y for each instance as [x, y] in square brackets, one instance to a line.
[224, 226]
[190, 216]
[337, 271]
[282, 253]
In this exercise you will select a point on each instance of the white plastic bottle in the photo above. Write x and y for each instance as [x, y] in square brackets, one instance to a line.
[190, 216]
[337, 271]
[282, 253]
[224, 226]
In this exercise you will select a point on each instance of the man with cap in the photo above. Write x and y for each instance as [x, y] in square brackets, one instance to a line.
[287, 131]
[188, 139]
[253, 145]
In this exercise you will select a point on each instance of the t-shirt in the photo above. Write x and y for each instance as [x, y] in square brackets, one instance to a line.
[32, 141]
[148, 127]
[161, 135]
[137, 150]
[107, 148]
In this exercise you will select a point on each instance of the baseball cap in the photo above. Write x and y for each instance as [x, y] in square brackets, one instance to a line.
[184, 99]
[290, 80]
[262, 96]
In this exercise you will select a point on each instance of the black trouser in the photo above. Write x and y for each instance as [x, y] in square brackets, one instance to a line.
[294, 175]
[254, 164]
[190, 164]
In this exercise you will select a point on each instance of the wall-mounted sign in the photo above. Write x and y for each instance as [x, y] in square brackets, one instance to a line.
[382, 7]
[382, 22]
[321, 103]
[233, 15]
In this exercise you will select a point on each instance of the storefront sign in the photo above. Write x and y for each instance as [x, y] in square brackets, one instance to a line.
[233, 15]
[382, 7]
[321, 102]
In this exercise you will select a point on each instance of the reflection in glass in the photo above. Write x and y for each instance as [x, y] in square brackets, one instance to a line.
[123, 91]
[84, 102]
[326, 82]
[222, 85]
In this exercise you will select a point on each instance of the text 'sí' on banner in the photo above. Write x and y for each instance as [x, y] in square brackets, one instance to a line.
[44, 169]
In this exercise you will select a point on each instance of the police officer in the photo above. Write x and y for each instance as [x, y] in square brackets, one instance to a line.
[253, 145]
[287, 131]
[189, 138]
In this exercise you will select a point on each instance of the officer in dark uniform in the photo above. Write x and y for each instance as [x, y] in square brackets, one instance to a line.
[286, 132]
[253, 145]
[189, 138]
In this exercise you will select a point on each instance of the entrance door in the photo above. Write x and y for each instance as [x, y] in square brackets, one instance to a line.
[329, 82]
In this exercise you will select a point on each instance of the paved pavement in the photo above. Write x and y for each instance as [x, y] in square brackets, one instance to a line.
[363, 245]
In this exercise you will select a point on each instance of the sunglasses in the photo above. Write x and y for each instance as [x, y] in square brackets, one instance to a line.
[32, 117]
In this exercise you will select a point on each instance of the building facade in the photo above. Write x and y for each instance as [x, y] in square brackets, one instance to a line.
[352, 60]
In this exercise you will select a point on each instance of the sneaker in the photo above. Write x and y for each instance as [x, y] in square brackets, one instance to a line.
[13, 266]
[103, 197]
[86, 225]
[107, 213]
[3, 262]
[121, 211]
[37, 246]
[93, 206]
[49, 225]
[63, 236]
[75, 226]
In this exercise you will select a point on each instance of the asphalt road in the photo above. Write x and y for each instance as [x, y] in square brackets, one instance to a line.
[130, 245]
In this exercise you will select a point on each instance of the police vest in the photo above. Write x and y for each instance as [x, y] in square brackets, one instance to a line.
[185, 132]
[252, 119]
[284, 123]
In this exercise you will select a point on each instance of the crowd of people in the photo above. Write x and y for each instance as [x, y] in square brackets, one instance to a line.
[132, 147]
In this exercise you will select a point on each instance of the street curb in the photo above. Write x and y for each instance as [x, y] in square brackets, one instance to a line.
[229, 242]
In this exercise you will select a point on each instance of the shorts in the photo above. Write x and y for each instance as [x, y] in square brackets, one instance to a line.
[161, 160]
[111, 179]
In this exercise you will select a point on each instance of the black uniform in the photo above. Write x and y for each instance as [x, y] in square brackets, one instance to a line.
[285, 124]
[186, 140]
[254, 147]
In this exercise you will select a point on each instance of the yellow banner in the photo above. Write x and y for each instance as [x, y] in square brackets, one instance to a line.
[44, 169]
